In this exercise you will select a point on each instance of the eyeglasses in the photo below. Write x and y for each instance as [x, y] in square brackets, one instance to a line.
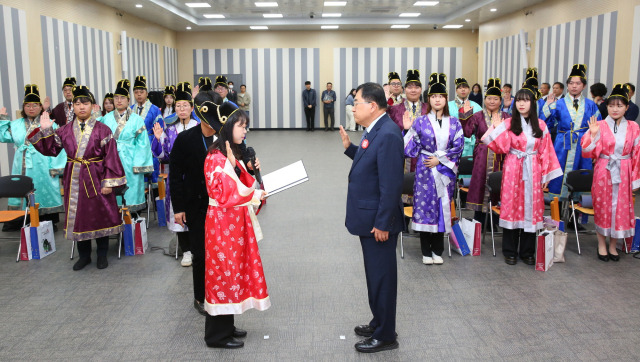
[395, 84]
[32, 105]
[356, 103]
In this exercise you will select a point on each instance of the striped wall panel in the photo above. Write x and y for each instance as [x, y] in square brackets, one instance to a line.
[354, 66]
[72, 50]
[503, 59]
[634, 72]
[591, 41]
[274, 77]
[144, 59]
[14, 70]
[170, 66]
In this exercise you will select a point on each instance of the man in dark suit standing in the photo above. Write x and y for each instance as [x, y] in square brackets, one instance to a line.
[309, 102]
[374, 211]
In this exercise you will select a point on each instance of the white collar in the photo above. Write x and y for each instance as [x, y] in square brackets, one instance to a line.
[374, 123]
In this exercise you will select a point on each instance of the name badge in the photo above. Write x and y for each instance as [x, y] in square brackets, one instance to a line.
[365, 143]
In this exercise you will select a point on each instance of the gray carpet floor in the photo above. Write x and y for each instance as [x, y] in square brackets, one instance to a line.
[470, 308]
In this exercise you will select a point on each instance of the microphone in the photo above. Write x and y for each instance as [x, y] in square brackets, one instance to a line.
[251, 154]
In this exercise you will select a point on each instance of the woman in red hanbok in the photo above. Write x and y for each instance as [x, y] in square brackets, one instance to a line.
[530, 163]
[615, 145]
[234, 279]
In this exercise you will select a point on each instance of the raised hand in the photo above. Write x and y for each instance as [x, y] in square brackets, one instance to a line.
[45, 120]
[346, 141]
[407, 122]
[594, 127]
[551, 98]
[496, 119]
[47, 103]
[3, 111]
[466, 106]
[194, 91]
[230, 155]
[157, 130]
[95, 108]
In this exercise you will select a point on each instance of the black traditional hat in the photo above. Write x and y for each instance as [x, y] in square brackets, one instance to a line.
[393, 75]
[183, 92]
[534, 91]
[108, 96]
[579, 70]
[81, 91]
[221, 80]
[461, 82]
[437, 84]
[494, 88]
[531, 73]
[413, 75]
[205, 84]
[170, 91]
[215, 115]
[140, 82]
[532, 81]
[620, 90]
[69, 82]
[122, 88]
[31, 94]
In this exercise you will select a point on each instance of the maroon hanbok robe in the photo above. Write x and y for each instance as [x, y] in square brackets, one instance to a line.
[484, 160]
[92, 163]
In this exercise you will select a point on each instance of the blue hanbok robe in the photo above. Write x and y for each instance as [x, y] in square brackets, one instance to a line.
[571, 125]
[433, 187]
[454, 111]
[151, 115]
[45, 171]
[134, 150]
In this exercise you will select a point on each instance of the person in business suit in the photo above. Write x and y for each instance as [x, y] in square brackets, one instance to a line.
[374, 211]
[190, 203]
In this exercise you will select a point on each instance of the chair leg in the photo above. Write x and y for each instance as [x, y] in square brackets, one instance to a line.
[459, 202]
[73, 246]
[401, 248]
[120, 245]
[493, 239]
[449, 243]
[575, 225]
[149, 195]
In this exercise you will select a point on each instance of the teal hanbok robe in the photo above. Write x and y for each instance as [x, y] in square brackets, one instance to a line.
[44, 170]
[151, 115]
[134, 150]
[454, 111]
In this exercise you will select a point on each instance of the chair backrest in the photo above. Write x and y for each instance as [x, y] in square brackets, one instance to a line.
[466, 166]
[15, 186]
[407, 183]
[579, 180]
[494, 183]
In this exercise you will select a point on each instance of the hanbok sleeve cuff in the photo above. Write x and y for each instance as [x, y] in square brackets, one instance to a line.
[466, 115]
[547, 108]
[592, 141]
[552, 175]
[40, 133]
[635, 185]
[142, 129]
[56, 172]
[143, 169]
[493, 133]
[4, 117]
[409, 135]
[114, 182]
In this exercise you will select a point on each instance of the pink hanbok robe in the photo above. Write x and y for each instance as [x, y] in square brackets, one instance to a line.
[615, 176]
[529, 163]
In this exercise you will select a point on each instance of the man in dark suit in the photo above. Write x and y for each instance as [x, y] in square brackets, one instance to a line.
[190, 202]
[374, 211]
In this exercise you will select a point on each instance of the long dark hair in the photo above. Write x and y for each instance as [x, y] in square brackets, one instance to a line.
[164, 104]
[104, 110]
[532, 118]
[350, 93]
[226, 134]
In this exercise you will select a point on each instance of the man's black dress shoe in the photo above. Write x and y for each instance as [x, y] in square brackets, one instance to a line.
[102, 262]
[529, 260]
[602, 257]
[81, 263]
[510, 260]
[199, 307]
[614, 257]
[364, 330]
[228, 343]
[239, 333]
[372, 345]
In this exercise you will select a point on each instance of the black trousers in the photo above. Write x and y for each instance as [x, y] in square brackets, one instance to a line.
[380, 268]
[431, 242]
[512, 238]
[102, 246]
[195, 222]
[310, 114]
[329, 112]
[218, 328]
[183, 241]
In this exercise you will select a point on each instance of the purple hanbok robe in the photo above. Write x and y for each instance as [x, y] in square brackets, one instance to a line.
[433, 188]
[484, 160]
[92, 163]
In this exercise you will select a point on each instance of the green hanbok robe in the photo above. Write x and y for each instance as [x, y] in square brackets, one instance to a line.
[45, 171]
[134, 149]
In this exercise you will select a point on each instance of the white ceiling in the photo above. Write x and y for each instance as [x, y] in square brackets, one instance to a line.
[358, 14]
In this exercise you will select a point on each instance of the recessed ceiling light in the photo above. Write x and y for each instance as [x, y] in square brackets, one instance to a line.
[335, 3]
[467, 20]
[329, 27]
[198, 5]
[259, 27]
[188, 28]
[399, 26]
[409, 15]
[426, 3]
[266, 4]
[331, 15]
[452, 27]
[494, 9]
[138, 5]
[272, 15]
[213, 16]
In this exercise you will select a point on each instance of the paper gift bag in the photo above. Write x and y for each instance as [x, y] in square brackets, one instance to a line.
[37, 242]
[140, 236]
[128, 240]
[472, 231]
[544, 251]
[162, 215]
[457, 240]
[635, 246]
[25, 246]
[559, 244]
